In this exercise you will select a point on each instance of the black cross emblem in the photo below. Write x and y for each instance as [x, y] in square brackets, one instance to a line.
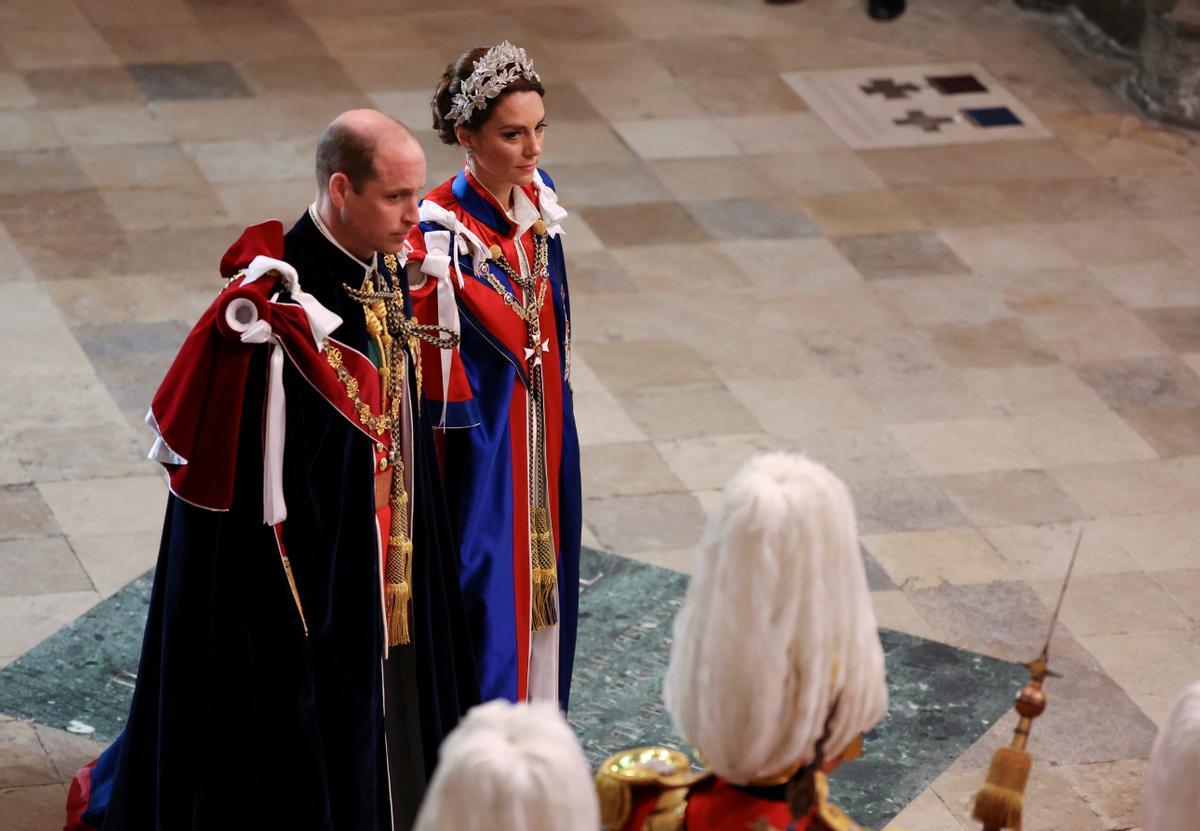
[889, 89]
[919, 118]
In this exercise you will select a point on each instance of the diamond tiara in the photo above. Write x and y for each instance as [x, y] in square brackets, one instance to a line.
[502, 65]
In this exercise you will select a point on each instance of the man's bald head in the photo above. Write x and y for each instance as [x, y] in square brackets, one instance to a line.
[351, 142]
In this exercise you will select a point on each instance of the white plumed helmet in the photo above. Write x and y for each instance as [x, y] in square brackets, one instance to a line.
[1171, 793]
[777, 626]
[511, 767]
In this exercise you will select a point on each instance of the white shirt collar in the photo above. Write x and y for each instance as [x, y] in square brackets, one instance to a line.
[316, 218]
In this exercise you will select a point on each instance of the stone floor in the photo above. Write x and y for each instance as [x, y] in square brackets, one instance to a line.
[995, 344]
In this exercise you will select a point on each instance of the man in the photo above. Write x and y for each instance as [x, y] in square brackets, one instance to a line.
[511, 767]
[289, 677]
[776, 666]
[1170, 796]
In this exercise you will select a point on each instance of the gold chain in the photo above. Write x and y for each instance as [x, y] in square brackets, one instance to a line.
[378, 424]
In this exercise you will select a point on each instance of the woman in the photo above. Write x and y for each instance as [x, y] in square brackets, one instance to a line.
[503, 399]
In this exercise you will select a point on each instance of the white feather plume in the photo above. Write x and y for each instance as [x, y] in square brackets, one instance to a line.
[511, 767]
[777, 625]
[1171, 792]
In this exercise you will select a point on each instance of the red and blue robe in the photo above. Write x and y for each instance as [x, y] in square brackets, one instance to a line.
[478, 395]
[260, 705]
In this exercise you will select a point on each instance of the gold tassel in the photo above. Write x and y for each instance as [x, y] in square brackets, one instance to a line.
[397, 597]
[545, 577]
[998, 803]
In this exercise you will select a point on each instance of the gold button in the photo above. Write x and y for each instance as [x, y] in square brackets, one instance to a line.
[383, 463]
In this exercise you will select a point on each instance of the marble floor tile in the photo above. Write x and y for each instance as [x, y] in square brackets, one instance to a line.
[1159, 382]
[189, 81]
[709, 462]
[705, 179]
[26, 514]
[583, 142]
[676, 138]
[276, 117]
[684, 411]
[97, 506]
[103, 448]
[1171, 197]
[144, 209]
[147, 297]
[758, 358]
[155, 164]
[33, 808]
[702, 268]
[27, 620]
[1010, 497]
[893, 610]
[598, 271]
[973, 445]
[32, 171]
[1113, 604]
[788, 409]
[617, 62]
[929, 301]
[1079, 335]
[658, 96]
[715, 55]
[18, 16]
[1115, 242]
[1015, 247]
[743, 95]
[973, 164]
[625, 183]
[15, 93]
[920, 559]
[245, 161]
[1113, 790]
[296, 75]
[923, 395]
[864, 212]
[1183, 585]
[998, 344]
[249, 204]
[111, 560]
[40, 565]
[138, 13]
[658, 522]
[857, 454]
[1059, 439]
[65, 87]
[927, 812]
[630, 365]
[23, 761]
[903, 504]
[408, 106]
[599, 418]
[626, 469]
[1156, 543]
[1068, 200]
[956, 206]
[853, 353]
[1177, 325]
[790, 265]
[162, 44]
[1171, 432]
[1049, 802]
[806, 172]
[738, 219]
[1043, 551]
[1151, 285]
[1002, 619]
[630, 225]
[1123, 489]
[52, 48]
[776, 133]
[884, 256]
[1152, 666]
[682, 560]
[67, 752]
[1032, 390]
[27, 130]
[111, 124]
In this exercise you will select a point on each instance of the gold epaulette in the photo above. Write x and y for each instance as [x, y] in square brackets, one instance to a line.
[830, 816]
[661, 770]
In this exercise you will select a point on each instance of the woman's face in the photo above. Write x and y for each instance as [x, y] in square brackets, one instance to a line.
[509, 144]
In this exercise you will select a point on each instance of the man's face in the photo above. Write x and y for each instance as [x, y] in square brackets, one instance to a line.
[380, 215]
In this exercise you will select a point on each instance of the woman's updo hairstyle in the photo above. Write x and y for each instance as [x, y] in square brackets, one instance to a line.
[451, 85]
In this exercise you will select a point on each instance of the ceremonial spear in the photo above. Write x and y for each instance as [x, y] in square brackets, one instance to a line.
[998, 803]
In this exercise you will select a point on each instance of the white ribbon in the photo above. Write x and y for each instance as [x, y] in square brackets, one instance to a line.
[274, 507]
[321, 321]
[552, 213]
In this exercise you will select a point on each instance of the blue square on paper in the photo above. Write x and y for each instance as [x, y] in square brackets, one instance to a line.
[992, 117]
